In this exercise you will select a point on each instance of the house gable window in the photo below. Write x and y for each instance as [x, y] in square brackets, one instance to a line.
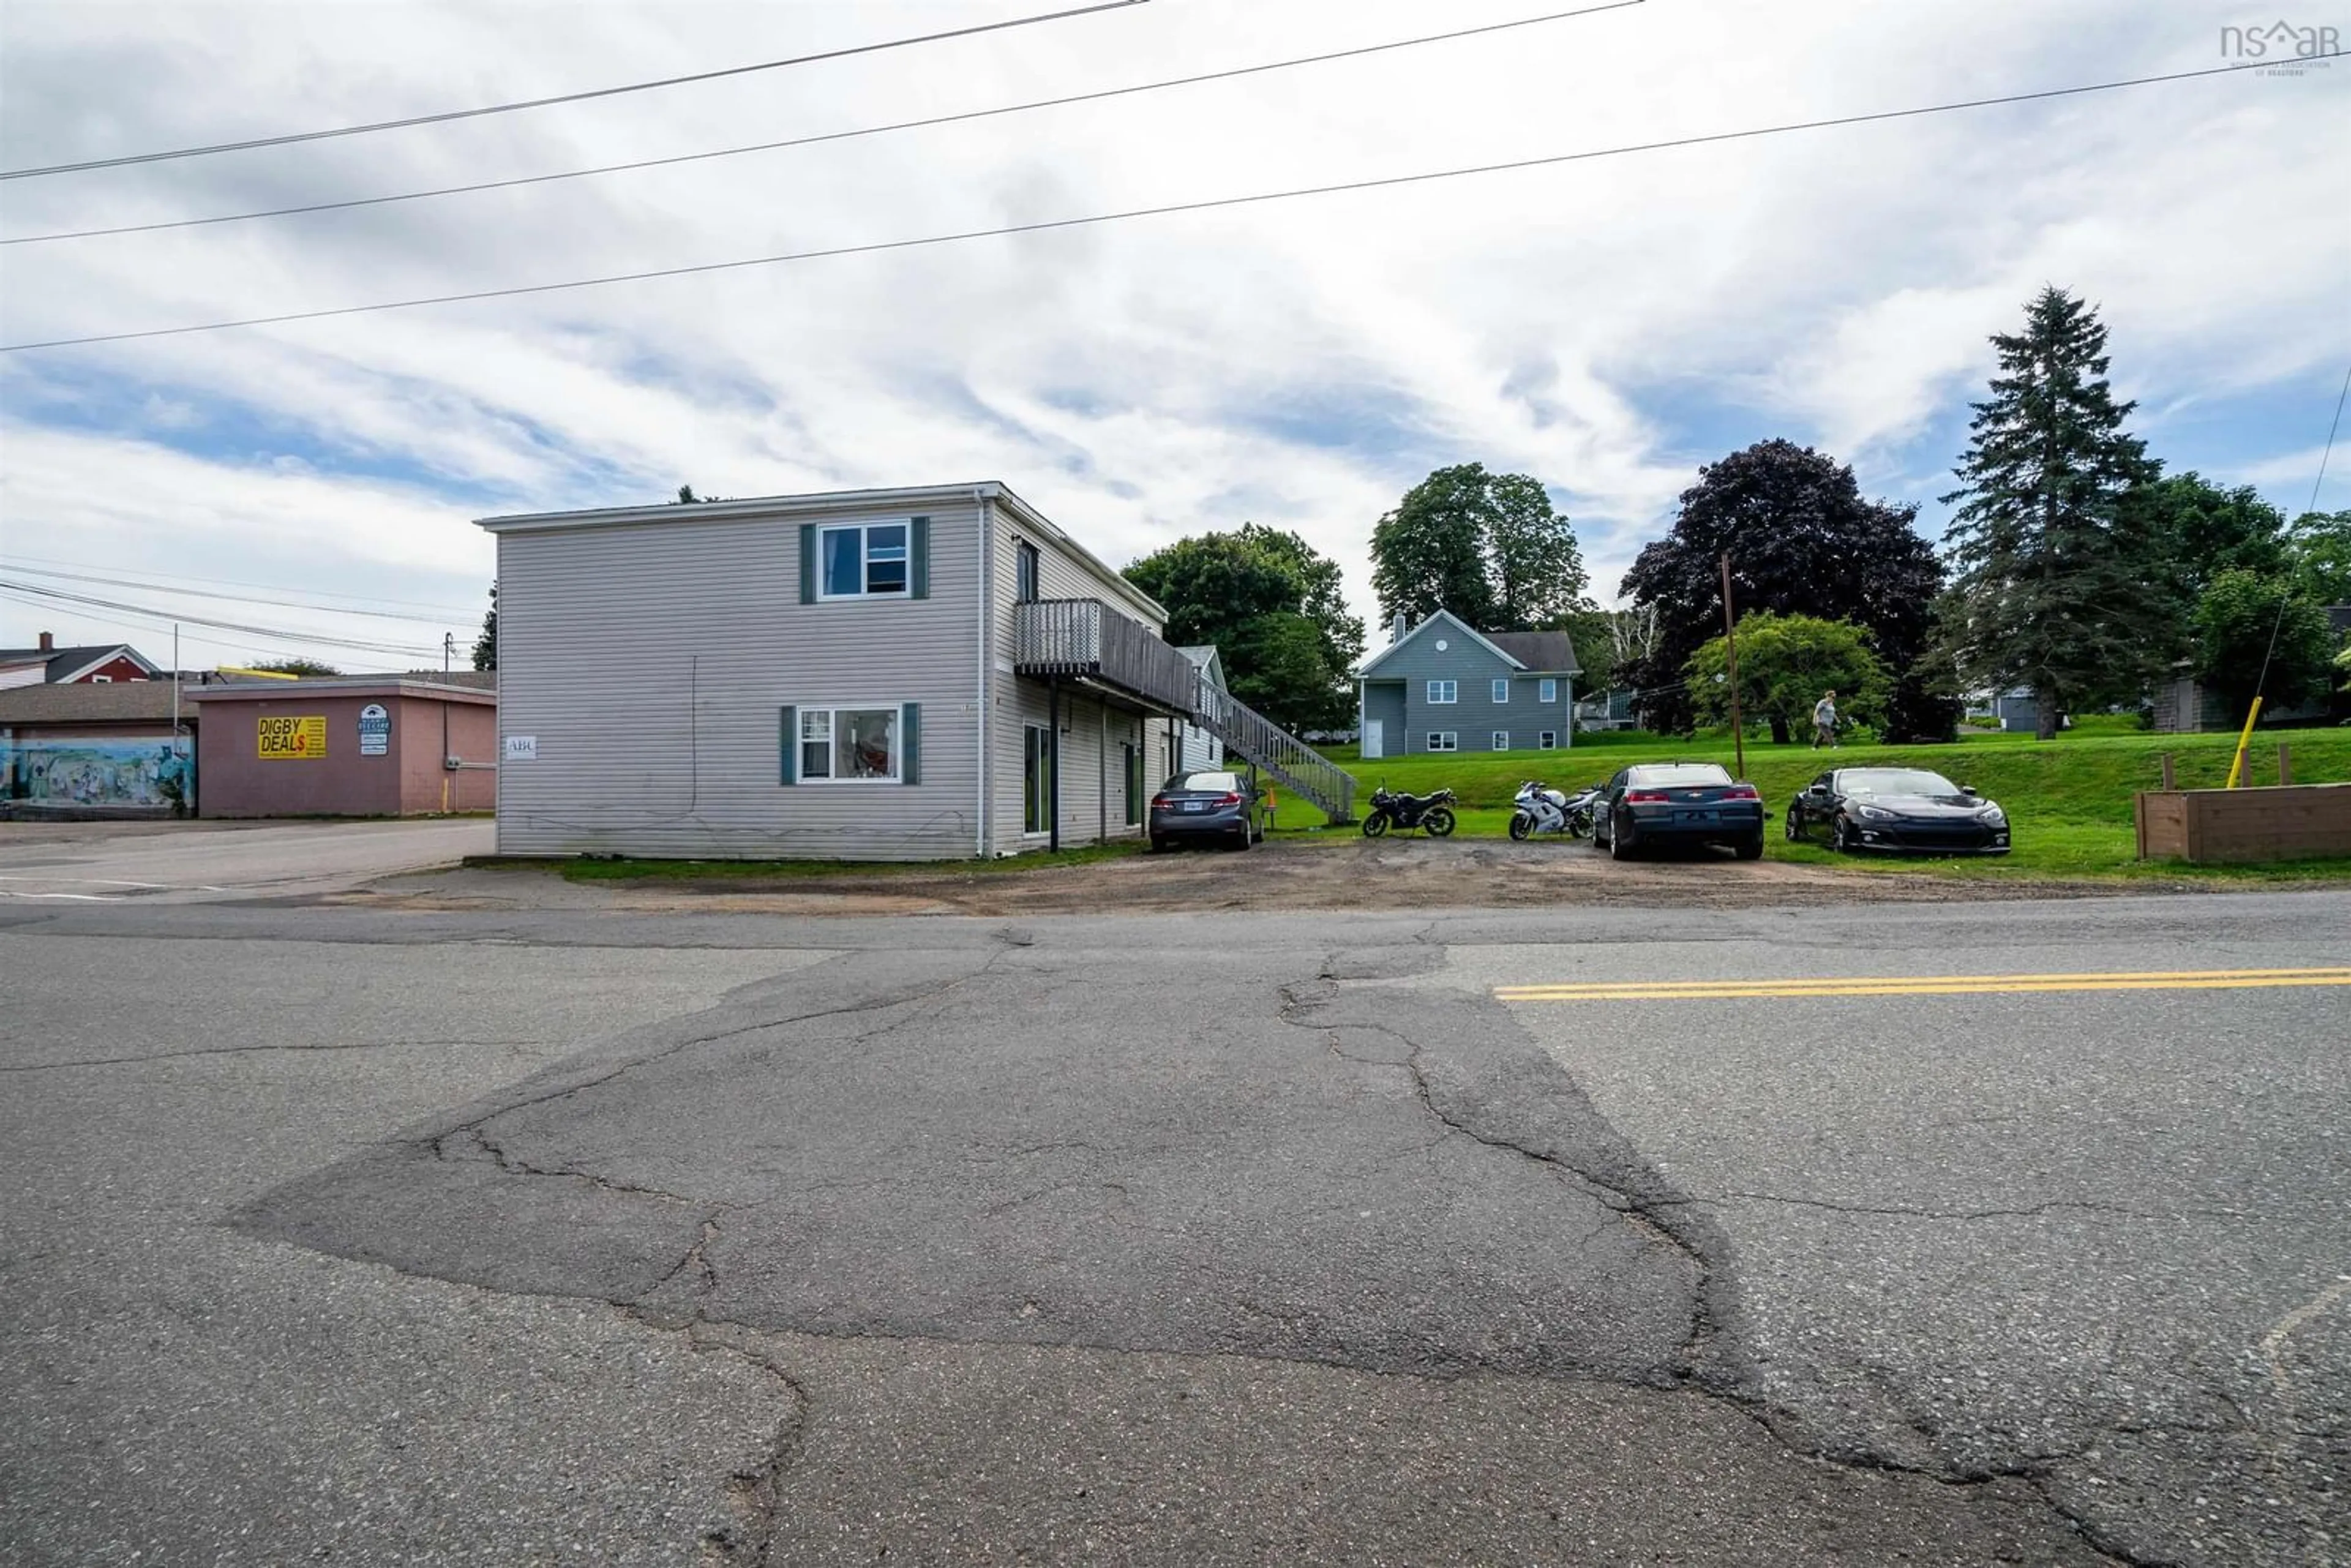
[1501, 692]
[1444, 740]
[1441, 692]
[1548, 692]
[1501, 740]
[852, 746]
[1024, 572]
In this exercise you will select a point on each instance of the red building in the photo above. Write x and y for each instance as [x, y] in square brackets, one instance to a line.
[100, 665]
[354, 745]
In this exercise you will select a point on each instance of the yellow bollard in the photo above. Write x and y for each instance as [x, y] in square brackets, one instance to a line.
[2237, 766]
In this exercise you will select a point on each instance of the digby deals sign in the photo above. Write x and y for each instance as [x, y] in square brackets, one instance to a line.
[291, 737]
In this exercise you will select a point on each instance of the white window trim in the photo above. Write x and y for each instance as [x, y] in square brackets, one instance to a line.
[1451, 738]
[1547, 740]
[864, 563]
[1501, 689]
[1501, 740]
[897, 738]
[1452, 693]
[1548, 691]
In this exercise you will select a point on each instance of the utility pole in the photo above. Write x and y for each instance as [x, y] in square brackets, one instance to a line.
[1730, 649]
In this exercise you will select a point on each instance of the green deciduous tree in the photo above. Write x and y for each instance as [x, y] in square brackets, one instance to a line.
[1785, 664]
[2242, 617]
[485, 646]
[2064, 585]
[294, 667]
[1802, 540]
[1273, 607]
[1488, 547]
[2319, 552]
[2205, 531]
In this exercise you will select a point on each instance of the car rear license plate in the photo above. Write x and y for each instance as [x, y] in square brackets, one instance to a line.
[1695, 818]
[1196, 805]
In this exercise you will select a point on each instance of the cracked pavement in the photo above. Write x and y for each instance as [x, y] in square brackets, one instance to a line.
[552, 1236]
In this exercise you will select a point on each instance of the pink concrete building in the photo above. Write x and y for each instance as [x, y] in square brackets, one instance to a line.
[357, 745]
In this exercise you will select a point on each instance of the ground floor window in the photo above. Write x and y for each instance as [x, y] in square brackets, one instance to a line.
[1501, 740]
[849, 745]
[1132, 755]
[1037, 780]
[1547, 739]
[1444, 740]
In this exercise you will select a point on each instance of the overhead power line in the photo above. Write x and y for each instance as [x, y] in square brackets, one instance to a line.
[447, 115]
[166, 581]
[1208, 205]
[836, 135]
[281, 601]
[2329, 452]
[115, 622]
[34, 593]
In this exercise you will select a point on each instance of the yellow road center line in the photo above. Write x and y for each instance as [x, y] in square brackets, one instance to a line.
[1925, 984]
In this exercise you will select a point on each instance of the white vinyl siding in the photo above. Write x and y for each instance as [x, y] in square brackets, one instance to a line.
[1547, 691]
[1444, 740]
[1502, 693]
[651, 661]
[1443, 691]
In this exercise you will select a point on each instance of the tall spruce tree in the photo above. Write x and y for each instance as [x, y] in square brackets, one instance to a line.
[2061, 585]
[485, 646]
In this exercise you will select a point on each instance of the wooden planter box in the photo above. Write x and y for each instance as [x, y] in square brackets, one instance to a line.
[2288, 822]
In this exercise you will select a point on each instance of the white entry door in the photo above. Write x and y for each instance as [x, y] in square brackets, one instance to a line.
[1372, 751]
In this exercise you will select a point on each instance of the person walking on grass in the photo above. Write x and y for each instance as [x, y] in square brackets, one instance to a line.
[1825, 723]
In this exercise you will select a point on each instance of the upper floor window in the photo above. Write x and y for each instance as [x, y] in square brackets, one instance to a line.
[1444, 691]
[1024, 572]
[1548, 692]
[865, 560]
[1501, 691]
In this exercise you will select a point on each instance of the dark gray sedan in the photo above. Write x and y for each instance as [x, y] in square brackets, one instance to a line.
[1218, 806]
[1912, 808]
[1677, 803]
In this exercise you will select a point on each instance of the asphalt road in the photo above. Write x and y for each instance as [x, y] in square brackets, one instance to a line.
[205, 861]
[383, 1235]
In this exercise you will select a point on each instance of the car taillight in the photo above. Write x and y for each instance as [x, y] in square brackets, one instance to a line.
[1159, 802]
[1644, 797]
[1741, 793]
[1228, 799]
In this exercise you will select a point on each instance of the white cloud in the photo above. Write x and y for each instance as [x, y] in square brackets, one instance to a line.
[1298, 364]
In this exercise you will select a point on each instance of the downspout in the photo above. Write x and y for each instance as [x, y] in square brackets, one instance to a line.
[986, 603]
[1053, 751]
[1567, 685]
[1102, 773]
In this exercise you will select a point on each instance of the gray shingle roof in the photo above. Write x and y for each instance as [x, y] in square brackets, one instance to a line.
[85, 702]
[63, 661]
[1543, 652]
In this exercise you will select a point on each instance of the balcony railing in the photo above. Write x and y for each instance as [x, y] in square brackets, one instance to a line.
[1085, 637]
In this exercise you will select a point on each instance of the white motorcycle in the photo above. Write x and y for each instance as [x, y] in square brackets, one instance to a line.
[1540, 808]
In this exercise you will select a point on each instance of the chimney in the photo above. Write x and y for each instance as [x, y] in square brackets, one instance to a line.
[1397, 630]
[48, 643]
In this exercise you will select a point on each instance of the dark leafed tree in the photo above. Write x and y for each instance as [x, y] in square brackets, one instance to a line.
[1802, 541]
[485, 646]
[294, 667]
[2319, 552]
[2064, 585]
[1273, 608]
[1490, 548]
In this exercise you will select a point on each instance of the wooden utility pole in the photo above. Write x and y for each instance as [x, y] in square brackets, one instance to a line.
[1730, 642]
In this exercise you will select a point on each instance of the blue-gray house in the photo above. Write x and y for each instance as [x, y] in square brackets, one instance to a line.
[1445, 686]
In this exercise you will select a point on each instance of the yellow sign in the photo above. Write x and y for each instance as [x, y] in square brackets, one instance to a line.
[289, 738]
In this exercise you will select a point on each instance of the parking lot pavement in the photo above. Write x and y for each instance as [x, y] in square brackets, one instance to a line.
[561, 1236]
[203, 862]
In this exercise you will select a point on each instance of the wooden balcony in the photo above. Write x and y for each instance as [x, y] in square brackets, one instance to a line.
[1084, 639]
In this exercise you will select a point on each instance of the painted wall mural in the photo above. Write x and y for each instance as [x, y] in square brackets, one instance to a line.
[98, 772]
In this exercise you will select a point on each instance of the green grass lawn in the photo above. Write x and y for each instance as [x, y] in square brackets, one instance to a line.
[2069, 800]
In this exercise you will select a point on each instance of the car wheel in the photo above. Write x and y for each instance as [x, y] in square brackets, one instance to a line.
[1621, 844]
[1848, 842]
[1520, 826]
[1246, 840]
[1796, 827]
[1159, 845]
[1439, 823]
[1376, 824]
[1751, 848]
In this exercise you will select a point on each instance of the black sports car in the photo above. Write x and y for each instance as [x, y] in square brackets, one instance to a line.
[1897, 808]
[1676, 803]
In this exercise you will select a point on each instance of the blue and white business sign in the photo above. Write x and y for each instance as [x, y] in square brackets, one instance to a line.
[376, 730]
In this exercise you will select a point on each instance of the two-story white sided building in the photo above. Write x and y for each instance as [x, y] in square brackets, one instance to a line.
[878, 674]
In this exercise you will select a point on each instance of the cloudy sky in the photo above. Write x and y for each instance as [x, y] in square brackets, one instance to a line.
[1606, 324]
